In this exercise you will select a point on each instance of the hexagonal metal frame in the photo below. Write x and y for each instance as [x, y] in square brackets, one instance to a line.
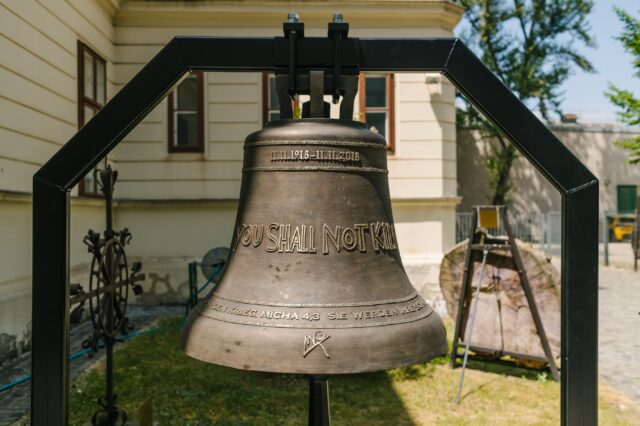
[53, 182]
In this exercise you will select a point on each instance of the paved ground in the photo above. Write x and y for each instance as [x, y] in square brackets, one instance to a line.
[620, 255]
[15, 403]
[619, 323]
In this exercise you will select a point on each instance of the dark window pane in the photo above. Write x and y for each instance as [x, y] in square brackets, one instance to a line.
[377, 121]
[273, 95]
[627, 198]
[187, 130]
[376, 92]
[88, 183]
[187, 95]
[100, 82]
[273, 116]
[88, 74]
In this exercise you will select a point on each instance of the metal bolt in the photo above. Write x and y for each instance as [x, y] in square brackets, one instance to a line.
[293, 17]
[338, 18]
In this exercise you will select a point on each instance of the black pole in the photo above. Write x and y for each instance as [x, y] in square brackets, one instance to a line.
[111, 408]
[319, 401]
[107, 179]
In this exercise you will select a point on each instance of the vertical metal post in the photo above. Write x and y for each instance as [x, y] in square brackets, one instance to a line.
[474, 314]
[605, 240]
[466, 279]
[50, 305]
[579, 315]
[319, 414]
[548, 238]
[193, 286]
[110, 403]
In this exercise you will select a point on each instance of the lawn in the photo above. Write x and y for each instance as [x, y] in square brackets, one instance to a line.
[184, 391]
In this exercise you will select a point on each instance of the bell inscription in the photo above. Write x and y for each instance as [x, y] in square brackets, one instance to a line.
[317, 155]
[281, 238]
[245, 312]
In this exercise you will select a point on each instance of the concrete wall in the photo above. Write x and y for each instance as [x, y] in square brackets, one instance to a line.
[592, 144]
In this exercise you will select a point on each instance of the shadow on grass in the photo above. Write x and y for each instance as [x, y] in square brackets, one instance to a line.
[507, 369]
[189, 392]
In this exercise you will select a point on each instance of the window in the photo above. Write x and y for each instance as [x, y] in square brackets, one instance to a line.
[270, 101]
[376, 105]
[92, 95]
[186, 120]
[627, 199]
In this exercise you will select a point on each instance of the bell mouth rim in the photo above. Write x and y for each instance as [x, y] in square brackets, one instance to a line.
[355, 123]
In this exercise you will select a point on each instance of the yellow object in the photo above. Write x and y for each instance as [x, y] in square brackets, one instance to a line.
[621, 228]
[488, 218]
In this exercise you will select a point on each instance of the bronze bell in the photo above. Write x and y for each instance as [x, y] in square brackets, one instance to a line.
[314, 283]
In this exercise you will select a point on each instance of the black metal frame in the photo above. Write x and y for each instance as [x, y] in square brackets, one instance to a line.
[52, 183]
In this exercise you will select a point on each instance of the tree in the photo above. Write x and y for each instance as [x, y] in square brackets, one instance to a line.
[624, 99]
[531, 46]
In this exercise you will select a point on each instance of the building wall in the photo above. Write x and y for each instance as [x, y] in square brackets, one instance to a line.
[592, 144]
[38, 114]
[179, 205]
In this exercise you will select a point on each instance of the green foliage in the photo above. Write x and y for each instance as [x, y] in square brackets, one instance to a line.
[628, 104]
[531, 46]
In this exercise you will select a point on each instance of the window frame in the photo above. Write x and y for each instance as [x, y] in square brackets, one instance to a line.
[620, 188]
[295, 104]
[89, 101]
[389, 108]
[199, 147]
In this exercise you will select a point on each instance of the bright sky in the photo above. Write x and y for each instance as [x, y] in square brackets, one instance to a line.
[584, 93]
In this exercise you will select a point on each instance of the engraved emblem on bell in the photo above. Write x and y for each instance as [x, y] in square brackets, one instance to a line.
[314, 257]
[315, 341]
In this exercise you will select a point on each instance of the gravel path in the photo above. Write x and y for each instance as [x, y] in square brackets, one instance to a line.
[15, 403]
[619, 324]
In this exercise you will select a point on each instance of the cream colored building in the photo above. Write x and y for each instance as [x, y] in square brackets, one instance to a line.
[60, 60]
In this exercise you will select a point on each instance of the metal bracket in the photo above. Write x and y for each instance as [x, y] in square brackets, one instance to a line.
[315, 81]
[318, 108]
[338, 29]
[293, 29]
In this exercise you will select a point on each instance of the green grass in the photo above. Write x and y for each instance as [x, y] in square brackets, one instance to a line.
[189, 392]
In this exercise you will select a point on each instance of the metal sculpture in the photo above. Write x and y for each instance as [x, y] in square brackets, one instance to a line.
[110, 281]
[52, 183]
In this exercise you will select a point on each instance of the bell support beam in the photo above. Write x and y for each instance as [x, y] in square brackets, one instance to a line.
[52, 183]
